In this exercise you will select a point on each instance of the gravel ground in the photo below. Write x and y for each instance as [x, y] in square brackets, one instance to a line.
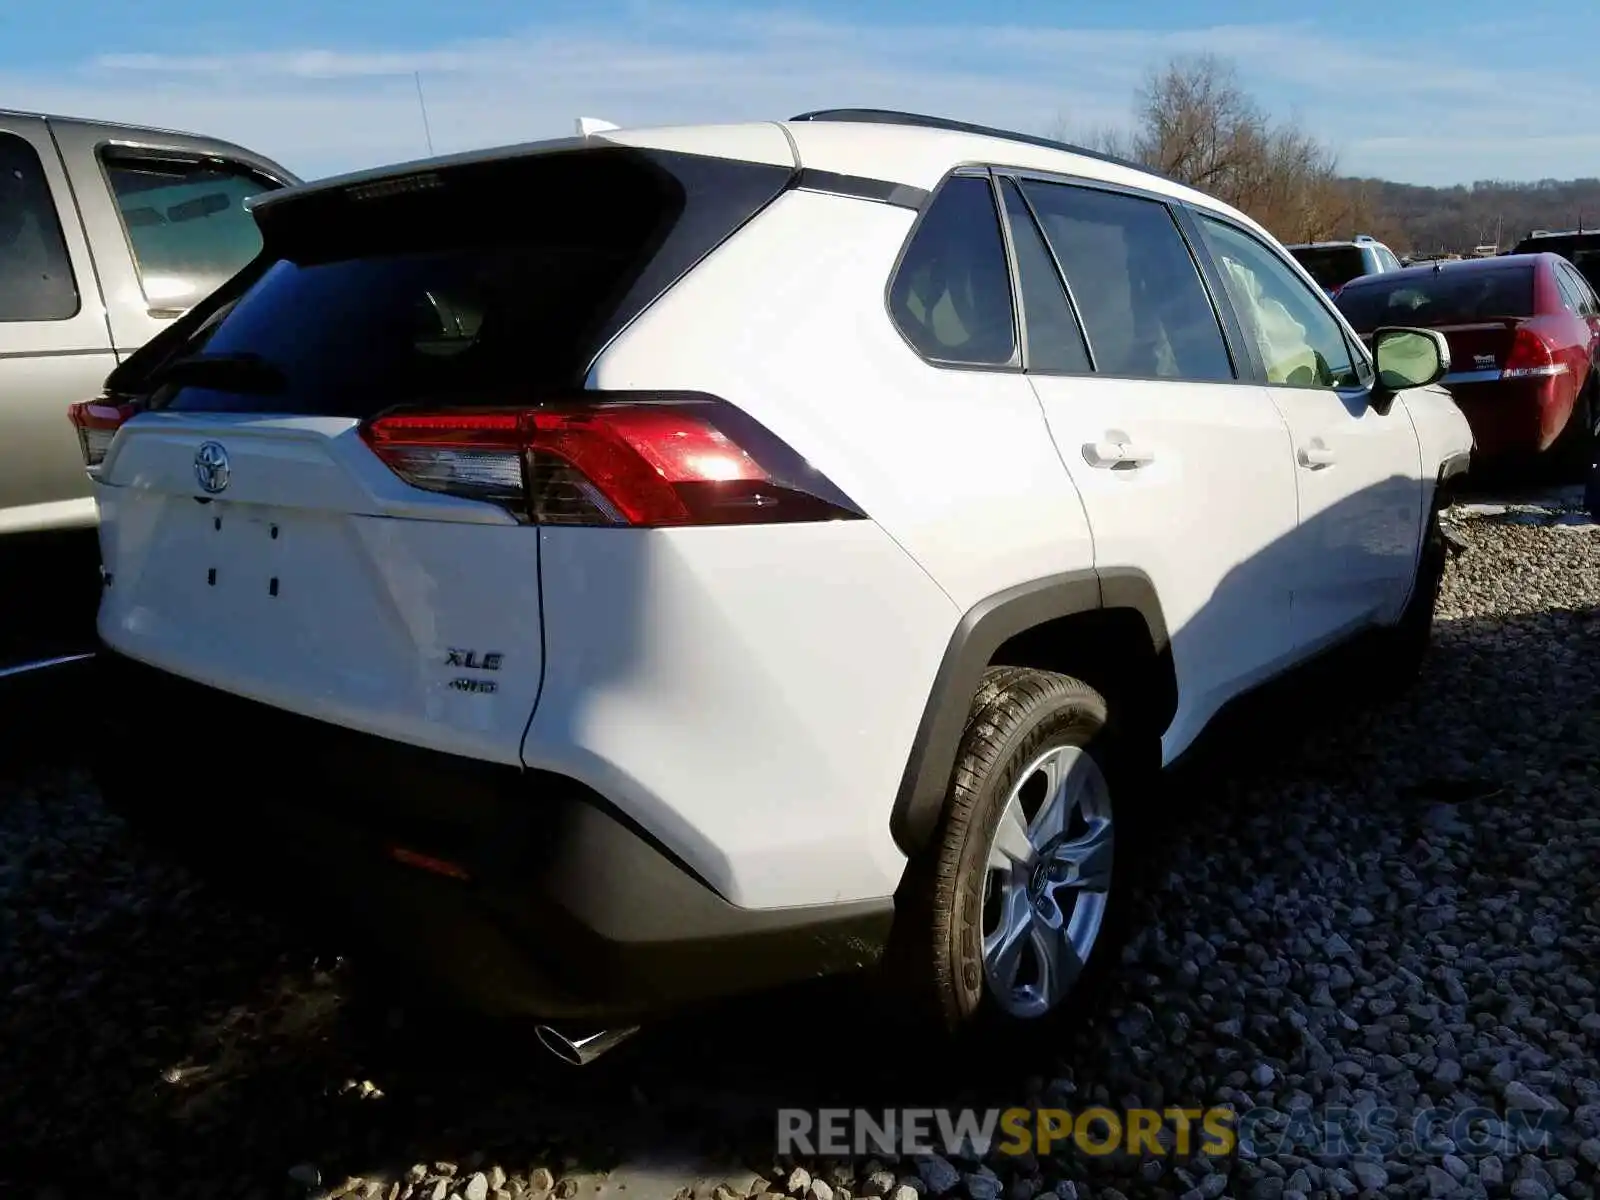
[1393, 906]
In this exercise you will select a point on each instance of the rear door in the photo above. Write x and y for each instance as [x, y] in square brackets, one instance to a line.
[166, 214]
[55, 348]
[1358, 470]
[1184, 471]
[254, 540]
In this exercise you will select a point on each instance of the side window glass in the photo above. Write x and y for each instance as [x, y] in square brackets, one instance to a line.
[1136, 286]
[185, 221]
[1569, 295]
[951, 297]
[1582, 295]
[1390, 262]
[1301, 343]
[36, 282]
[1055, 343]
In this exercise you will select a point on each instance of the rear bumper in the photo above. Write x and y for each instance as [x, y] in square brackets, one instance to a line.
[515, 892]
[1513, 419]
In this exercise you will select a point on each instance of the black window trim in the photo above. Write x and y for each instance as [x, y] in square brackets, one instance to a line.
[1014, 364]
[999, 177]
[1359, 356]
[60, 228]
[173, 155]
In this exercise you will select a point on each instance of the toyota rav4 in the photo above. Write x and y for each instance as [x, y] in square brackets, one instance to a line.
[639, 568]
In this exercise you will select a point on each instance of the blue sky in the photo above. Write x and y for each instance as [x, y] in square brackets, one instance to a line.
[1427, 91]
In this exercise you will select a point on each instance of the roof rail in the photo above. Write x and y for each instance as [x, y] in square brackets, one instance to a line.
[889, 116]
[1364, 237]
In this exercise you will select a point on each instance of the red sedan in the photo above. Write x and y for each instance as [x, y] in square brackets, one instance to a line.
[1524, 334]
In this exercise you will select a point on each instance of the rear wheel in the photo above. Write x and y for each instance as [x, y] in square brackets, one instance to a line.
[1016, 908]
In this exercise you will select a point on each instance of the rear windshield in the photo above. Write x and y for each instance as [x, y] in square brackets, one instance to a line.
[482, 284]
[1331, 266]
[1443, 297]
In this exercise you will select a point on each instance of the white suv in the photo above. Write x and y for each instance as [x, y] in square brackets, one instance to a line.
[631, 569]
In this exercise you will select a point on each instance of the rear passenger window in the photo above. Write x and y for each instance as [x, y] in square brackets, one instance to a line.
[185, 221]
[1055, 343]
[1135, 283]
[36, 281]
[951, 297]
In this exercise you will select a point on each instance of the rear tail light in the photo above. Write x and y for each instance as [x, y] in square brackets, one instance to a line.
[1530, 357]
[97, 424]
[620, 459]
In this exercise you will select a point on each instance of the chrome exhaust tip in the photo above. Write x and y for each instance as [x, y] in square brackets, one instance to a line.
[581, 1051]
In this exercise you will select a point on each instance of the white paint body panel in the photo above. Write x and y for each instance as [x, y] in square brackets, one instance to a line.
[762, 142]
[1210, 519]
[1360, 511]
[749, 695]
[957, 465]
[370, 580]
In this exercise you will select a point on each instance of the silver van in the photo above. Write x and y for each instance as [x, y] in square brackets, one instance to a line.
[107, 233]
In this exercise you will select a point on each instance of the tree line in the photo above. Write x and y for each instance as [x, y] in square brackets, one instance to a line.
[1194, 122]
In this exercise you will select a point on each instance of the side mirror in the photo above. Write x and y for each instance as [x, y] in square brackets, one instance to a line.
[1408, 358]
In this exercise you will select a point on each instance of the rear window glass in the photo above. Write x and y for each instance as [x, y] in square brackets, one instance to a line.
[186, 222]
[1436, 298]
[488, 284]
[1331, 266]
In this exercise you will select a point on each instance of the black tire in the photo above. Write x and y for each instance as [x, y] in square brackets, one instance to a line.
[1399, 651]
[1017, 715]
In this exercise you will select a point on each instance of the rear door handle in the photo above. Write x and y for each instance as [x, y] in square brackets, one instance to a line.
[1317, 456]
[1113, 456]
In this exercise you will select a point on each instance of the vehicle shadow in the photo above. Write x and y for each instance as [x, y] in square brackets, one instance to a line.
[213, 1052]
[47, 613]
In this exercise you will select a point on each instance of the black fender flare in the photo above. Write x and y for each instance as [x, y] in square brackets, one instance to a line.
[984, 628]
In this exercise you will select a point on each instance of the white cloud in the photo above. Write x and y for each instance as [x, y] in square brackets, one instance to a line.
[319, 110]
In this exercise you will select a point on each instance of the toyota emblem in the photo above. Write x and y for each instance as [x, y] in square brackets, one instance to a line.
[211, 469]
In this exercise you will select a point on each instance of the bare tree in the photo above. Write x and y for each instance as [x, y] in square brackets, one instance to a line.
[1195, 123]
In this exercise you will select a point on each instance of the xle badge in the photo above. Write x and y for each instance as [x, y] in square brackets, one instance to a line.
[471, 660]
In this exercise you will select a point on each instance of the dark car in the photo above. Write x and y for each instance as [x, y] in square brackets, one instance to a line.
[1524, 335]
[1582, 250]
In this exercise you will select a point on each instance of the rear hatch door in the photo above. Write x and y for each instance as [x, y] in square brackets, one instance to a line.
[252, 539]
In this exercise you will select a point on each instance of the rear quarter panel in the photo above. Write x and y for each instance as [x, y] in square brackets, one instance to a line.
[758, 711]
